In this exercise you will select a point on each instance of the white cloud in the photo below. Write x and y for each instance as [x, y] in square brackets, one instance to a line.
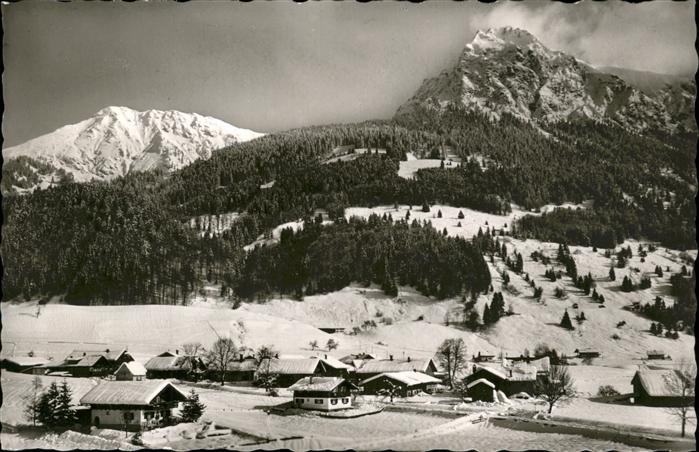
[654, 36]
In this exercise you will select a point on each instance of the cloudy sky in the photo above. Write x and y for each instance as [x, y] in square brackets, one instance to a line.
[273, 66]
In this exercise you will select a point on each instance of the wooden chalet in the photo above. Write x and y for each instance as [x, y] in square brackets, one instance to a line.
[510, 378]
[483, 357]
[177, 366]
[24, 364]
[587, 354]
[332, 329]
[655, 354]
[131, 371]
[113, 356]
[404, 384]
[659, 388]
[132, 405]
[323, 393]
[290, 370]
[380, 366]
[356, 360]
[88, 366]
[241, 370]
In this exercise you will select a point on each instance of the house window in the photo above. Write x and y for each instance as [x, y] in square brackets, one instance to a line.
[333, 402]
[319, 401]
[345, 401]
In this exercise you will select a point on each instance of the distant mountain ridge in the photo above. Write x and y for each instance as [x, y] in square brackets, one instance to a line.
[509, 71]
[119, 140]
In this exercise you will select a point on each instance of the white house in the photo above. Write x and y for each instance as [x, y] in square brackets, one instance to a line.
[132, 405]
[323, 393]
[131, 371]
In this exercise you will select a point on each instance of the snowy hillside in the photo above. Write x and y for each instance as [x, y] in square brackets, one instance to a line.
[118, 140]
[508, 70]
[408, 325]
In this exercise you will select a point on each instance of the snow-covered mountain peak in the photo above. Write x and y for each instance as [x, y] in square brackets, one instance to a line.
[509, 71]
[118, 140]
[497, 38]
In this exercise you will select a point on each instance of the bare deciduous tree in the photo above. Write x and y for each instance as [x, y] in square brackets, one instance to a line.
[682, 384]
[264, 375]
[222, 354]
[452, 357]
[193, 352]
[556, 387]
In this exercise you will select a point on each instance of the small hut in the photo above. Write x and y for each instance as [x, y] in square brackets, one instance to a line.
[482, 390]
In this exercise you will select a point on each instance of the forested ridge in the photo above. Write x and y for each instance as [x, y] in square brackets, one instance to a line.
[126, 241]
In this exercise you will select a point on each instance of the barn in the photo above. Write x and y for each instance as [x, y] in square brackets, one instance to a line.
[323, 393]
[23, 364]
[132, 405]
[379, 366]
[483, 357]
[178, 366]
[290, 370]
[655, 354]
[242, 370]
[133, 371]
[404, 384]
[510, 378]
[89, 366]
[482, 390]
[114, 356]
[659, 388]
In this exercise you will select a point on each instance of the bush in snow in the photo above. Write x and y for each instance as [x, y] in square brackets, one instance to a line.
[607, 391]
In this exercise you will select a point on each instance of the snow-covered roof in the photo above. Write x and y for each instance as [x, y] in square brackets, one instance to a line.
[244, 365]
[375, 366]
[409, 378]
[109, 353]
[318, 384]
[89, 361]
[26, 360]
[334, 362]
[480, 381]
[134, 368]
[293, 366]
[168, 363]
[349, 359]
[515, 372]
[541, 364]
[127, 392]
[659, 383]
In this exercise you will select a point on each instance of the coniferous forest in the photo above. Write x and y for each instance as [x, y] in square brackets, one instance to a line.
[127, 242]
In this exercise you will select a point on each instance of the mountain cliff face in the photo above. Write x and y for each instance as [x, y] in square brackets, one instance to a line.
[508, 70]
[118, 140]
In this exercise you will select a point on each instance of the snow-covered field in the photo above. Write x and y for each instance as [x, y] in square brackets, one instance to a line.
[472, 220]
[244, 410]
[408, 169]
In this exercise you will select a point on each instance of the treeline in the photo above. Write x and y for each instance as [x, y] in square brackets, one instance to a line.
[232, 177]
[107, 243]
[641, 185]
[318, 259]
[124, 242]
[25, 172]
[607, 226]
[681, 315]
